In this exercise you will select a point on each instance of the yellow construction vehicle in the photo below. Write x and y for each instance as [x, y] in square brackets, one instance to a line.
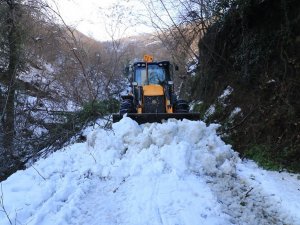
[152, 97]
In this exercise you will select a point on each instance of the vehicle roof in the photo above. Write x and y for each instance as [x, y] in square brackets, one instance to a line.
[153, 63]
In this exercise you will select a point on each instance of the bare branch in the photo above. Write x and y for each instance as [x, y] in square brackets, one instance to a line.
[3, 207]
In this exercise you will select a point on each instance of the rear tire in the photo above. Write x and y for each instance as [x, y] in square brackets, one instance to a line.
[181, 106]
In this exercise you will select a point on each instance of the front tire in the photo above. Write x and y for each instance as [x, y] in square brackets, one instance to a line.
[181, 106]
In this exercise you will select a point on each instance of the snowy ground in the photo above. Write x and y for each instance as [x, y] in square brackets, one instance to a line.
[175, 173]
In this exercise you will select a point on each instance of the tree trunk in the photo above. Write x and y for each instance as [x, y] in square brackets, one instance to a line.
[14, 47]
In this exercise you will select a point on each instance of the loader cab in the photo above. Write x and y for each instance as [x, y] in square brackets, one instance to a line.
[152, 97]
[154, 73]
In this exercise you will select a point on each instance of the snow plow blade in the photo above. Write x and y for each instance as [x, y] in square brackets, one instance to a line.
[141, 118]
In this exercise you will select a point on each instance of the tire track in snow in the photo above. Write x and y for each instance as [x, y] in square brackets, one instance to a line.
[245, 204]
[167, 199]
[100, 205]
[170, 199]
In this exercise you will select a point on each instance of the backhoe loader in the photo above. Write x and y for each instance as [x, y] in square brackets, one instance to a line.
[152, 97]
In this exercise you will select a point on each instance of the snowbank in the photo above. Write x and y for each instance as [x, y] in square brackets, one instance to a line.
[178, 172]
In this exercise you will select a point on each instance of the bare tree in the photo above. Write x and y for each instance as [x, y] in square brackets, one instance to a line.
[180, 24]
[44, 64]
[13, 37]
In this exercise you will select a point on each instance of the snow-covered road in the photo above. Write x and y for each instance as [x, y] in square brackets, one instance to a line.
[175, 173]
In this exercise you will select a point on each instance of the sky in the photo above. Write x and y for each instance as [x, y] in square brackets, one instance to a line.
[98, 18]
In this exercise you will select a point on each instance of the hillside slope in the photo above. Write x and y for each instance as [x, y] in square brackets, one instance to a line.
[253, 50]
[178, 172]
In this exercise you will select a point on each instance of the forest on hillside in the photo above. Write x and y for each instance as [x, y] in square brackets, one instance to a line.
[238, 60]
[253, 51]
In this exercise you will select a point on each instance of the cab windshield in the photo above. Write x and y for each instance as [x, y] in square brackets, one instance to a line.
[156, 74]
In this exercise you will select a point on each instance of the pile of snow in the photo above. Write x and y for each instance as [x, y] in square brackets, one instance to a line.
[177, 172]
